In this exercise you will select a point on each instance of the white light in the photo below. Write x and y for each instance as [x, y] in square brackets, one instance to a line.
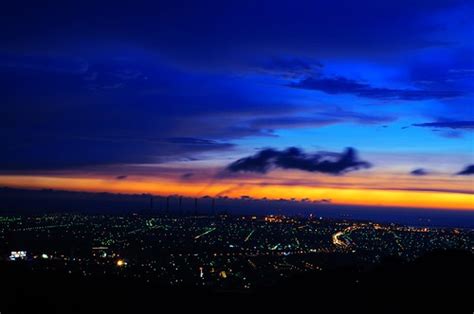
[14, 255]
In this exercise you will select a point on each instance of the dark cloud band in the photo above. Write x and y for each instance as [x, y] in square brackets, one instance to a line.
[294, 158]
[342, 85]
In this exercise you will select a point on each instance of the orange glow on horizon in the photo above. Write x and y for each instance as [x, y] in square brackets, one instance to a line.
[341, 196]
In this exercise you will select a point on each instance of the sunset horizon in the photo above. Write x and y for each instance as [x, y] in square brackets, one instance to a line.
[306, 151]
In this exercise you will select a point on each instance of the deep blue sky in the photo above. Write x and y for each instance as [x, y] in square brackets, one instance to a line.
[88, 85]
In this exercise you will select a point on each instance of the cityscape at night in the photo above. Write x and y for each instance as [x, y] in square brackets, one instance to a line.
[214, 254]
[183, 153]
[219, 252]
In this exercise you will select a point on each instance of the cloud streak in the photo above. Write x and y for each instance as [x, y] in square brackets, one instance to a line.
[457, 125]
[342, 85]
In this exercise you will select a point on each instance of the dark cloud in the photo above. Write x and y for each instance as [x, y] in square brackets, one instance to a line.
[294, 158]
[342, 85]
[469, 170]
[187, 175]
[123, 177]
[419, 172]
[461, 125]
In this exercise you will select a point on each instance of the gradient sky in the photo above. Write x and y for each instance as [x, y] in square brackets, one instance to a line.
[164, 97]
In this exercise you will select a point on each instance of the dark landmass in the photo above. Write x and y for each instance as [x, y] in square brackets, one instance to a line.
[435, 279]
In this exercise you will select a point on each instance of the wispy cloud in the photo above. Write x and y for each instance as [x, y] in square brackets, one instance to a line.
[461, 125]
[342, 85]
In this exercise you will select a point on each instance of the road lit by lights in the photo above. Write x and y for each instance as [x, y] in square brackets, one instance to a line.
[250, 234]
[204, 233]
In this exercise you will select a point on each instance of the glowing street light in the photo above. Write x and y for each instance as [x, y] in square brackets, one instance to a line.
[121, 263]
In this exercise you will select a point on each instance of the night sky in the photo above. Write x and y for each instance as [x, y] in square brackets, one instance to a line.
[350, 102]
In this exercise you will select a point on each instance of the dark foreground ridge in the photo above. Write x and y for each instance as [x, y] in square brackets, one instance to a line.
[440, 277]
